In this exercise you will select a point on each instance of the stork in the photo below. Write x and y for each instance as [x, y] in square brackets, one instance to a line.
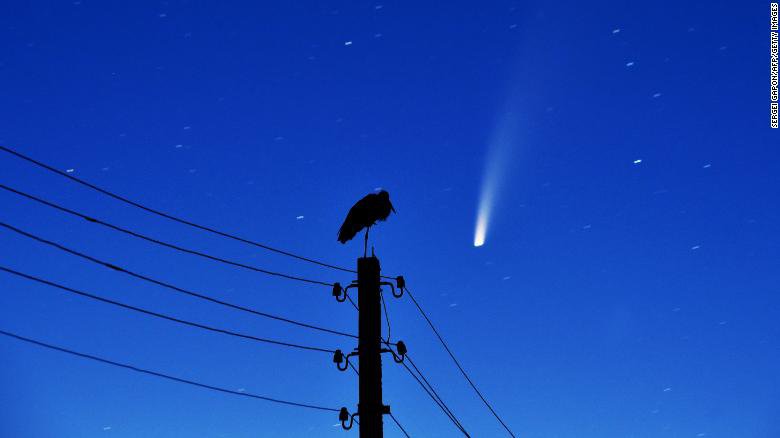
[364, 214]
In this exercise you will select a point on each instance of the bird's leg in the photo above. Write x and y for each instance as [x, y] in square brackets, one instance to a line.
[365, 243]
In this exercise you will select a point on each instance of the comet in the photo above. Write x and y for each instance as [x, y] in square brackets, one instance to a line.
[498, 155]
[481, 230]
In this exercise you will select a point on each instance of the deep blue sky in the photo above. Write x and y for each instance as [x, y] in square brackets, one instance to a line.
[612, 299]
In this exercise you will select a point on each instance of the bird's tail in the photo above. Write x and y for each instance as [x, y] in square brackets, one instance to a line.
[346, 232]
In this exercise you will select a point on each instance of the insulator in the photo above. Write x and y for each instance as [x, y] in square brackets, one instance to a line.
[401, 347]
[343, 415]
[336, 289]
[338, 356]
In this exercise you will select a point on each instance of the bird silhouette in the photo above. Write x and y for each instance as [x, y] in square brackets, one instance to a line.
[364, 214]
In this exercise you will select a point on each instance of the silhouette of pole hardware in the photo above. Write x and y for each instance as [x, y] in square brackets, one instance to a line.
[401, 347]
[342, 361]
[341, 293]
[345, 416]
[392, 287]
[337, 290]
[370, 406]
[400, 283]
[339, 358]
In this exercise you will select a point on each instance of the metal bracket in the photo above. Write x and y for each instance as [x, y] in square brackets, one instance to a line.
[339, 358]
[401, 347]
[341, 293]
[392, 286]
[345, 416]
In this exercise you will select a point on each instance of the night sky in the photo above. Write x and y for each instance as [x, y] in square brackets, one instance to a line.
[620, 154]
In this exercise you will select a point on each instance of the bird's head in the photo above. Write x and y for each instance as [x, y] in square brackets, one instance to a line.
[385, 197]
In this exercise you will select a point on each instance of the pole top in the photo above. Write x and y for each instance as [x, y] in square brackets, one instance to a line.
[368, 263]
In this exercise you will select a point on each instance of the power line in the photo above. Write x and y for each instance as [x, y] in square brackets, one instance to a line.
[160, 315]
[164, 376]
[438, 403]
[159, 242]
[429, 389]
[218, 259]
[446, 347]
[167, 285]
[353, 368]
[170, 216]
[397, 423]
[387, 317]
[351, 301]
[433, 391]
[434, 396]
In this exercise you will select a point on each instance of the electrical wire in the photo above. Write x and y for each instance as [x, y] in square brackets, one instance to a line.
[160, 315]
[438, 403]
[353, 368]
[433, 390]
[159, 242]
[397, 423]
[164, 376]
[351, 302]
[168, 285]
[223, 234]
[446, 347]
[434, 396]
[387, 317]
[170, 216]
[430, 390]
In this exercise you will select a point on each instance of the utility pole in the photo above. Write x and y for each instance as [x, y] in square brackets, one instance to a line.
[370, 406]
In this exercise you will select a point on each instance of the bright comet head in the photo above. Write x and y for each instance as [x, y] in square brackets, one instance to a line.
[481, 230]
[483, 213]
